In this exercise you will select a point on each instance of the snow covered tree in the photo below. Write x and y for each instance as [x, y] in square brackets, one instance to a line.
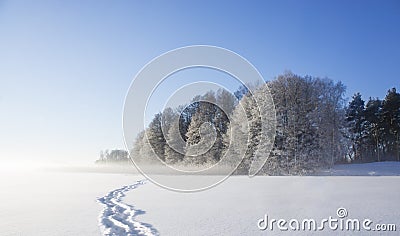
[312, 127]
[137, 146]
[115, 156]
[308, 131]
[241, 92]
[295, 100]
[207, 127]
[155, 136]
[174, 149]
[198, 142]
[330, 120]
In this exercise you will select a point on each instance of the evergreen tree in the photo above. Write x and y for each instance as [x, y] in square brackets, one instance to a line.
[391, 120]
[195, 148]
[373, 127]
[205, 133]
[241, 92]
[355, 118]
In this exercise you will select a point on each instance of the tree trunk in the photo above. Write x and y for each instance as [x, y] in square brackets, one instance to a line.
[397, 146]
[377, 144]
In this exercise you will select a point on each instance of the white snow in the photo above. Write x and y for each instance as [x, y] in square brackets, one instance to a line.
[235, 206]
[47, 203]
[118, 218]
[66, 203]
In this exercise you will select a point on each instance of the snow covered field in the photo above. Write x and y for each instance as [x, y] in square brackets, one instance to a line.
[234, 207]
[54, 203]
[66, 203]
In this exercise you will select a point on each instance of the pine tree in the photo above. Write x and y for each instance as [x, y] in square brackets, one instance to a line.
[373, 125]
[355, 118]
[391, 119]
[204, 136]
[195, 148]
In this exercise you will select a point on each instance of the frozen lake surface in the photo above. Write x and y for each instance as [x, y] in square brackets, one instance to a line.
[54, 203]
[76, 203]
[235, 206]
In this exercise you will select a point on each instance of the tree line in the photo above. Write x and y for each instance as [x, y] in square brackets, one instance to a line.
[374, 128]
[113, 156]
[315, 128]
[201, 110]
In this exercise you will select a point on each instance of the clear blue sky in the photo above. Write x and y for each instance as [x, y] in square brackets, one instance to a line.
[65, 66]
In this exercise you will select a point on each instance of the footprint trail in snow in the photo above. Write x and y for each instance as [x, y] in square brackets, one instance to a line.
[118, 218]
